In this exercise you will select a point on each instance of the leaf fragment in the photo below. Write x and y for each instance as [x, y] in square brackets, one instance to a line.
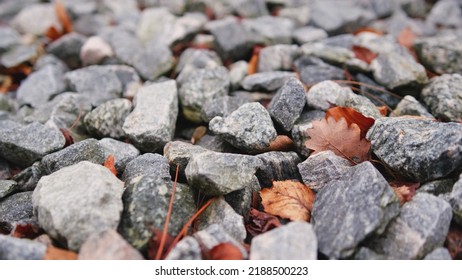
[54, 253]
[352, 117]
[404, 190]
[223, 251]
[109, 164]
[364, 54]
[261, 222]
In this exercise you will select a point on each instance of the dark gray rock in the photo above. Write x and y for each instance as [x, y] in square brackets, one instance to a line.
[77, 201]
[441, 54]
[364, 253]
[438, 254]
[12, 248]
[340, 230]
[221, 106]
[380, 96]
[129, 78]
[221, 173]
[123, 152]
[277, 57]
[308, 34]
[86, 150]
[14, 209]
[107, 119]
[299, 135]
[201, 86]
[241, 200]
[271, 30]
[455, 199]
[299, 241]
[149, 132]
[278, 166]
[443, 95]
[146, 200]
[437, 187]
[153, 165]
[421, 227]
[420, 149]
[18, 55]
[287, 105]
[315, 73]
[187, 248]
[28, 178]
[23, 145]
[248, 128]
[266, 81]
[67, 48]
[409, 106]
[9, 37]
[446, 14]
[179, 153]
[7, 187]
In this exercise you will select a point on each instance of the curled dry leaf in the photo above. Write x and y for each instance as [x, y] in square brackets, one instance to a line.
[223, 251]
[260, 222]
[352, 117]
[364, 54]
[109, 164]
[198, 133]
[281, 143]
[404, 190]
[288, 199]
[252, 67]
[54, 253]
[338, 137]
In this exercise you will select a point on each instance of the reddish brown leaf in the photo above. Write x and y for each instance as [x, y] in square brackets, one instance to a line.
[154, 243]
[383, 110]
[63, 17]
[454, 242]
[252, 68]
[352, 117]
[223, 251]
[54, 253]
[281, 143]
[109, 164]
[198, 133]
[368, 29]
[67, 136]
[52, 33]
[260, 222]
[289, 200]
[364, 54]
[338, 137]
[26, 230]
[404, 190]
[406, 38]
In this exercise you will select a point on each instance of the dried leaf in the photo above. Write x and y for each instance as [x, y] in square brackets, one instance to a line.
[383, 110]
[198, 133]
[52, 33]
[63, 17]
[67, 136]
[368, 29]
[223, 251]
[364, 54]
[404, 190]
[454, 242]
[338, 137]
[54, 253]
[352, 117]
[281, 143]
[260, 222]
[109, 164]
[252, 67]
[288, 199]
[406, 38]
[154, 243]
[26, 230]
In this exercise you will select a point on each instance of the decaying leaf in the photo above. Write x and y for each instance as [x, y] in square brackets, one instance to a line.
[281, 143]
[63, 17]
[54, 253]
[67, 136]
[154, 243]
[383, 110]
[198, 133]
[338, 137]
[252, 67]
[368, 29]
[406, 38]
[404, 190]
[352, 117]
[289, 200]
[109, 164]
[260, 222]
[364, 54]
[454, 242]
[223, 251]
[28, 230]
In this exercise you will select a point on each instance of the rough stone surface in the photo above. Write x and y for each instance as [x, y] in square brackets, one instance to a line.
[455, 199]
[123, 152]
[221, 173]
[147, 133]
[77, 201]
[12, 248]
[438, 254]
[146, 200]
[437, 187]
[340, 230]
[179, 153]
[15, 208]
[299, 241]
[271, 30]
[248, 128]
[307, 34]
[266, 81]
[441, 54]
[147, 164]
[421, 227]
[278, 166]
[277, 57]
[23, 145]
[28, 178]
[187, 248]
[7, 187]
[299, 135]
[221, 106]
[409, 106]
[67, 48]
[421, 149]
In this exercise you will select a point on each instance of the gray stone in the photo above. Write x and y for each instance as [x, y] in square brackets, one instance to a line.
[446, 14]
[107, 119]
[28, 178]
[155, 24]
[220, 173]
[49, 59]
[308, 34]
[216, 144]
[320, 169]
[201, 86]
[186, 27]
[364, 253]
[7, 187]
[216, 234]
[149, 132]
[146, 200]
[129, 78]
[277, 57]
[187, 248]
[409, 106]
[420, 149]
[267, 81]
[288, 103]
[378, 94]
[23, 145]
[221, 213]
[86, 150]
[153, 165]
[237, 72]
[441, 54]
[438, 254]
[221, 106]
[94, 50]
[241, 200]
[250, 8]
[338, 215]
[443, 95]
[300, 15]
[123, 152]
[299, 239]
[15, 208]
[299, 135]
[36, 19]
[248, 128]
[9, 37]
[271, 30]
[319, 72]
[278, 166]
[179, 153]
[77, 201]
[421, 227]
[414, 8]
[455, 200]
[12, 248]
[196, 59]
[336, 55]
[67, 48]
[437, 187]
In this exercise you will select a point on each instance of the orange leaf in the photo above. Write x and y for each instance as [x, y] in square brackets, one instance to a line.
[260, 222]
[281, 143]
[454, 241]
[406, 38]
[383, 110]
[52, 33]
[109, 164]
[54, 253]
[404, 190]
[338, 137]
[364, 54]
[198, 133]
[368, 29]
[63, 17]
[155, 242]
[289, 200]
[223, 251]
[352, 117]
[253, 64]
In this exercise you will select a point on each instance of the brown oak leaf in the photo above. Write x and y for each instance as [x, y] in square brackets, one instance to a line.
[338, 137]
[351, 116]
[289, 200]
[364, 54]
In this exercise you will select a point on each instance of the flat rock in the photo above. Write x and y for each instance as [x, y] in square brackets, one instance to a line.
[338, 215]
[299, 241]
[277, 57]
[23, 145]
[221, 173]
[271, 30]
[308, 34]
[7, 187]
[266, 81]
[248, 128]
[67, 48]
[153, 165]
[221, 106]
[77, 201]
[455, 199]
[123, 152]
[420, 149]
[421, 227]
[409, 106]
[15, 208]
[12, 248]
[278, 166]
[149, 133]
[441, 54]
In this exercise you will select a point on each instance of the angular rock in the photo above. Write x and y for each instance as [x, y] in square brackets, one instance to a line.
[455, 199]
[443, 95]
[86, 150]
[194, 59]
[441, 54]
[179, 154]
[216, 234]
[299, 241]
[380, 92]
[221, 173]
[77, 201]
[278, 166]
[49, 59]
[146, 200]
[420, 149]
[409, 106]
[15, 208]
[438, 254]
[107, 119]
[216, 144]
[23, 145]
[12, 248]
[336, 55]
[338, 215]
[287, 105]
[248, 128]
[308, 34]
[241, 200]
[187, 248]
[299, 135]
[67, 48]
[277, 57]
[266, 81]
[437, 187]
[155, 24]
[150, 132]
[421, 227]
[7, 187]
[446, 14]
[271, 30]
[18, 55]
[221, 106]
[28, 178]
[123, 152]
[318, 72]
[108, 245]
[153, 165]
[250, 9]
[129, 78]
[186, 27]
